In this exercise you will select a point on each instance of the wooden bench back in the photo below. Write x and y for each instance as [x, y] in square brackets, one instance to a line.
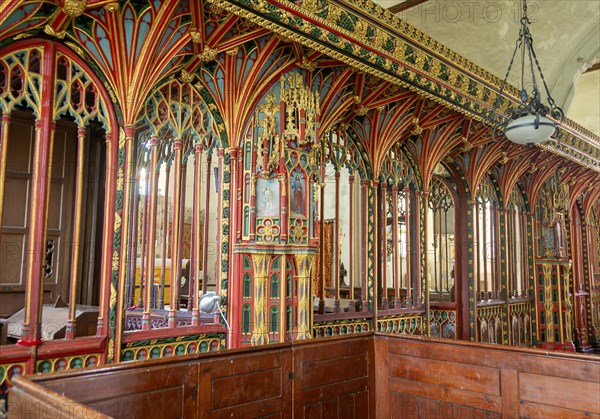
[328, 378]
[357, 376]
[452, 379]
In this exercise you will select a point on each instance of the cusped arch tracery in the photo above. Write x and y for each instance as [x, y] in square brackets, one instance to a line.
[77, 95]
[176, 110]
[21, 79]
[78, 92]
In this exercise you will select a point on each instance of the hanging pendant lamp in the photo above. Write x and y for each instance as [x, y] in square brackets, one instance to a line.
[529, 122]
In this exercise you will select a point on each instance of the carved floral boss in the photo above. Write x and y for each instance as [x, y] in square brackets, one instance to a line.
[268, 230]
[298, 231]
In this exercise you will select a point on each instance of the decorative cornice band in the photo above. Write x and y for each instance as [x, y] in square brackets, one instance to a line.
[371, 39]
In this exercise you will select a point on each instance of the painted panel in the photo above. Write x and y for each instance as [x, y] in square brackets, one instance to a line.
[267, 198]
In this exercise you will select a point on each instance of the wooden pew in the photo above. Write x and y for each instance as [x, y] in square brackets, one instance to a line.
[257, 382]
[420, 377]
[356, 376]
[32, 400]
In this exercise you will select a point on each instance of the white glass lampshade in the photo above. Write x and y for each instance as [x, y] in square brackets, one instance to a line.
[523, 131]
[209, 302]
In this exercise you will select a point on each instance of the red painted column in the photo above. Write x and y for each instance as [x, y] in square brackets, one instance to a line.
[239, 200]
[206, 225]
[183, 187]
[496, 255]
[396, 260]
[526, 223]
[218, 280]
[321, 294]
[417, 300]
[351, 239]
[75, 255]
[365, 242]
[107, 234]
[336, 244]
[141, 299]
[253, 197]
[196, 236]
[383, 246]
[477, 268]
[376, 251]
[511, 251]
[181, 221]
[234, 306]
[38, 211]
[128, 176]
[425, 264]
[409, 245]
[476, 258]
[3, 154]
[151, 212]
[132, 239]
[487, 283]
[175, 249]
[165, 233]
[234, 208]
[524, 289]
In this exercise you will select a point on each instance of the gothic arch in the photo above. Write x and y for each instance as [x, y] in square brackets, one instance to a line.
[52, 81]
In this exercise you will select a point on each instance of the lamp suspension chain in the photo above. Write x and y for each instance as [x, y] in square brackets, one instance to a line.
[527, 123]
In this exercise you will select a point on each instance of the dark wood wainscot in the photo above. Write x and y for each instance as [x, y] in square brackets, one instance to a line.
[324, 378]
[358, 376]
[419, 377]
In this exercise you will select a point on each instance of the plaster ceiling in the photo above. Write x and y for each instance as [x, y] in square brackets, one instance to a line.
[566, 37]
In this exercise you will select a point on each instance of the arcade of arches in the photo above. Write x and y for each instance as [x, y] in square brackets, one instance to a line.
[320, 165]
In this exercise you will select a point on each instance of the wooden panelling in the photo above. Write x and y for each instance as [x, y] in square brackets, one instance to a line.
[327, 378]
[404, 406]
[335, 379]
[475, 378]
[421, 377]
[13, 226]
[541, 411]
[30, 400]
[248, 385]
[359, 376]
[557, 391]
[446, 394]
[165, 403]
[135, 392]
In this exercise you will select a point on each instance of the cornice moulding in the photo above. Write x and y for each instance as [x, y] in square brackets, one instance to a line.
[371, 39]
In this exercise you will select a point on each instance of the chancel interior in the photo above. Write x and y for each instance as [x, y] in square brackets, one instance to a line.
[352, 196]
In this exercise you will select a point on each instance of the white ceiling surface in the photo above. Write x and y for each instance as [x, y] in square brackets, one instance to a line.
[566, 37]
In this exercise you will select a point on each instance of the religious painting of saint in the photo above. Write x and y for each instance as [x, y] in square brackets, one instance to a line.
[434, 329]
[549, 242]
[298, 193]
[449, 331]
[484, 331]
[267, 198]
